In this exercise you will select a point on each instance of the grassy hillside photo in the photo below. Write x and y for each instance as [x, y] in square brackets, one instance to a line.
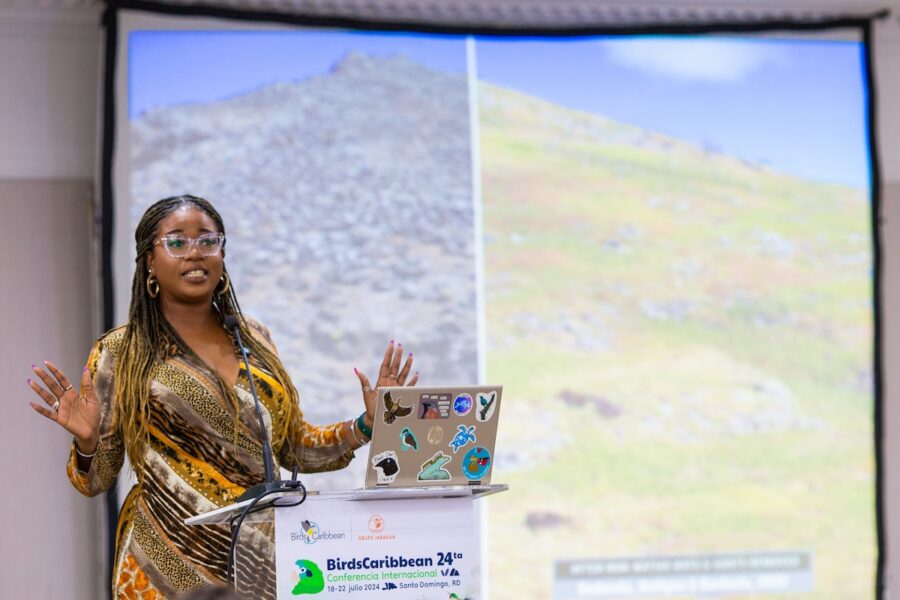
[685, 344]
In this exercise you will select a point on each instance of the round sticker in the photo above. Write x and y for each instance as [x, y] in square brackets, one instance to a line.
[462, 405]
[476, 462]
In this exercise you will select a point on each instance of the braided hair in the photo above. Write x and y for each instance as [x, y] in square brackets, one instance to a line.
[150, 339]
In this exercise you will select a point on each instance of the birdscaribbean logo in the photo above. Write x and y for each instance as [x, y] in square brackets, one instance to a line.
[311, 533]
[309, 579]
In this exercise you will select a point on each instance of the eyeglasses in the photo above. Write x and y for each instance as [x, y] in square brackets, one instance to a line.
[179, 246]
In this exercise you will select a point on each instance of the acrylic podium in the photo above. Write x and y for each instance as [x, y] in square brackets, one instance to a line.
[398, 543]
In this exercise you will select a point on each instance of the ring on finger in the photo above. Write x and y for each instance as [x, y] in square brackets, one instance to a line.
[55, 405]
[367, 389]
[67, 388]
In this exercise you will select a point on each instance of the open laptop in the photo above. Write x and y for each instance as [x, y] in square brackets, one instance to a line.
[433, 436]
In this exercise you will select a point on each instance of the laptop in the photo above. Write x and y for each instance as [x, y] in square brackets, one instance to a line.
[433, 436]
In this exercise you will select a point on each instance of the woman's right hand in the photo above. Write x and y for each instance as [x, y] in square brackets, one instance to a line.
[79, 415]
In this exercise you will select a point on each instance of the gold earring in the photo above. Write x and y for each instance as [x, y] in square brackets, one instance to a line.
[152, 286]
[226, 284]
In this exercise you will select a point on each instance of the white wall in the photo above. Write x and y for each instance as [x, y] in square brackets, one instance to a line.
[49, 545]
[49, 82]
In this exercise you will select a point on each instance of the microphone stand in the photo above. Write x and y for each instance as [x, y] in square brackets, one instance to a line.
[270, 485]
[256, 493]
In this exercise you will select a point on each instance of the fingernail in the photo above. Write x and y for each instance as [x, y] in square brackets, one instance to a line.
[29, 381]
[392, 341]
[410, 354]
[399, 344]
[44, 361]
[355, 371]
[85, 370]
[33, 366]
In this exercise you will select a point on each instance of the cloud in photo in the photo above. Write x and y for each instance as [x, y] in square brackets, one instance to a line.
[704, 60]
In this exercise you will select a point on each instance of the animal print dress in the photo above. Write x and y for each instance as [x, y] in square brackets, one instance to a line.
[193, 465]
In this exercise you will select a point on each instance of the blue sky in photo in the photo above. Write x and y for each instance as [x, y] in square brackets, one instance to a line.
[178, 67]
[797, 105]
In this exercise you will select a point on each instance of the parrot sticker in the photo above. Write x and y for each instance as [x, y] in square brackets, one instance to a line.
[433, 468]
[408, 440]
[309, 578]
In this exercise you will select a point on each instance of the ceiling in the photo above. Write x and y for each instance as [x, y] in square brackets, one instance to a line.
[523, 12]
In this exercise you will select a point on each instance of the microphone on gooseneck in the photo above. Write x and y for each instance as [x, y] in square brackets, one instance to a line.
[233, 326]
[253, 496]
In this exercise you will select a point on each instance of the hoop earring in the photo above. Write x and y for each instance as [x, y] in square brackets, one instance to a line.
[226, 284]
[152, 286]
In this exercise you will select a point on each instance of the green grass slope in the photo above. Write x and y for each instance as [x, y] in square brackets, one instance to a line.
[685, 341]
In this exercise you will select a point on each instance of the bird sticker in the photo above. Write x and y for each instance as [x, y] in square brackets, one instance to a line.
[434, 406]
[428, 409]
[309, 578]
[394, 410]
[408, 440]
[463, 436]
[476, 463]
[486, 406]
[433, 468]
[386, 466]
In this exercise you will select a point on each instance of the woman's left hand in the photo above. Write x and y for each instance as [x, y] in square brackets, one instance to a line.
[389, 375]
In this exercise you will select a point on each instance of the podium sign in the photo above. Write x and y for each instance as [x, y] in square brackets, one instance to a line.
[416, 549]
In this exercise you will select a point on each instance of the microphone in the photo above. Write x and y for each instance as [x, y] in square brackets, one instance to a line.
[271, 484]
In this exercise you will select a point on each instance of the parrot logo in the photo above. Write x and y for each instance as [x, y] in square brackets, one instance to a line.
[408, 439]
[393, 410]
[309, 578]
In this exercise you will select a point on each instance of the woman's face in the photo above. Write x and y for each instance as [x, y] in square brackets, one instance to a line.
[192, 278]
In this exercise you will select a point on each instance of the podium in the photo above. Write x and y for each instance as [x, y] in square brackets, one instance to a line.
[399, 543]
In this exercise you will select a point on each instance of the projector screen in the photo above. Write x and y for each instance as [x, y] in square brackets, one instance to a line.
[660, 246]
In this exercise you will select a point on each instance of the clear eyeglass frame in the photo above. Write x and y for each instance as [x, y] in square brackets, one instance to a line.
[179, 246]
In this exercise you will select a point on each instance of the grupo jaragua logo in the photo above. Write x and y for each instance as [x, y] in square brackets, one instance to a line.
[376, 530]
[312, 533]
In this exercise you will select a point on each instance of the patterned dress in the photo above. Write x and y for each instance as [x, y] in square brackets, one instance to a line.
[193, 465]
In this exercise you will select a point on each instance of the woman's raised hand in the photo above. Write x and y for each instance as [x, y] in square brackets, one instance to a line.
[390, 374]
[79, 415]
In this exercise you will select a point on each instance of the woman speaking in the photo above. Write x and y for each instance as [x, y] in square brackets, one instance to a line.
[169, 389]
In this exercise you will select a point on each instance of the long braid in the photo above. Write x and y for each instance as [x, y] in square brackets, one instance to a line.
[150, 339]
